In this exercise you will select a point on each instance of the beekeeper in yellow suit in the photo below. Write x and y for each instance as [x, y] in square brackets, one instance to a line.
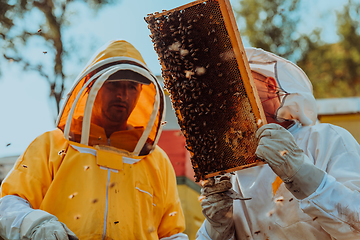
[99, 175]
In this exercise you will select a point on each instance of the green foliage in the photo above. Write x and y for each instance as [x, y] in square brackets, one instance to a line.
[334, 69]
[271, 25]
[326, 68]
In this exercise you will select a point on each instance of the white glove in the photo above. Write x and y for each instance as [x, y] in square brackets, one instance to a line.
[278, 148]
[218, 207]
[39, 225]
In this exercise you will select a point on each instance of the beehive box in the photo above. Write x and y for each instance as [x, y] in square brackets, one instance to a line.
[206, 72]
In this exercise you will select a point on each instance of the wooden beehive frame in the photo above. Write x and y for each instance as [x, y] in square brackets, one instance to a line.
[242, 62]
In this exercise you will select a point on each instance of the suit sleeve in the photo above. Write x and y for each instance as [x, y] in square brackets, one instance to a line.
[24, 187]
[335, 205]
[32, 174]
[13, 210]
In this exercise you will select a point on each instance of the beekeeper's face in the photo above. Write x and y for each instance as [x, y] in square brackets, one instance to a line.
[269, 96]
[115, 102]
[267, 90]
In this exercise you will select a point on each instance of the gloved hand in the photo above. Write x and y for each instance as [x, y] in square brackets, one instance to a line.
[278, 148]
[39, 225]
[217, 207]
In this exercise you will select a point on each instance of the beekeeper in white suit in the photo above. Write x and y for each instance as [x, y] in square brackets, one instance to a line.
[310, 187]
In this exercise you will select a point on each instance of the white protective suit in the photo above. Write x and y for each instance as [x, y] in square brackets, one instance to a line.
[333, 210]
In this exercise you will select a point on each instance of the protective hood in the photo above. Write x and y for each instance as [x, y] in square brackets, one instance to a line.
[116, 61]
[297, 102]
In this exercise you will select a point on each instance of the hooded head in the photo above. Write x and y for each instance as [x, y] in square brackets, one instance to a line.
[116, 101]
[296, 92]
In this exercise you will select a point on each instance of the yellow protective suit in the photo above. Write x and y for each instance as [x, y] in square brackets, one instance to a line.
[121, 187]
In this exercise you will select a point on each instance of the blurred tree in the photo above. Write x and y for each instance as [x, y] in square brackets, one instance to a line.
[271, 25]
[5, 22]
[54, 20]
[335, 68]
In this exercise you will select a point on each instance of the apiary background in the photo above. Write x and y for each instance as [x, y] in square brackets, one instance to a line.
[342, 112]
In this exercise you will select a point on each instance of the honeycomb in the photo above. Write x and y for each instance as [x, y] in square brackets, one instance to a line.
[216, 112]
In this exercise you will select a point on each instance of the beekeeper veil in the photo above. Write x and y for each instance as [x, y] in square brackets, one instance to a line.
[297, 100]
[116, 61]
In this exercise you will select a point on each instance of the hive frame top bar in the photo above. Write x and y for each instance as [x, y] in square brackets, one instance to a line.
[158, 14]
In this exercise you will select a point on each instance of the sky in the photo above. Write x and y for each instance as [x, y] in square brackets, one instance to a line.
[24, 96]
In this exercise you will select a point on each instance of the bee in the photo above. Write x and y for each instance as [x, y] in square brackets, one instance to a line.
[61, 152]
[73, 195]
